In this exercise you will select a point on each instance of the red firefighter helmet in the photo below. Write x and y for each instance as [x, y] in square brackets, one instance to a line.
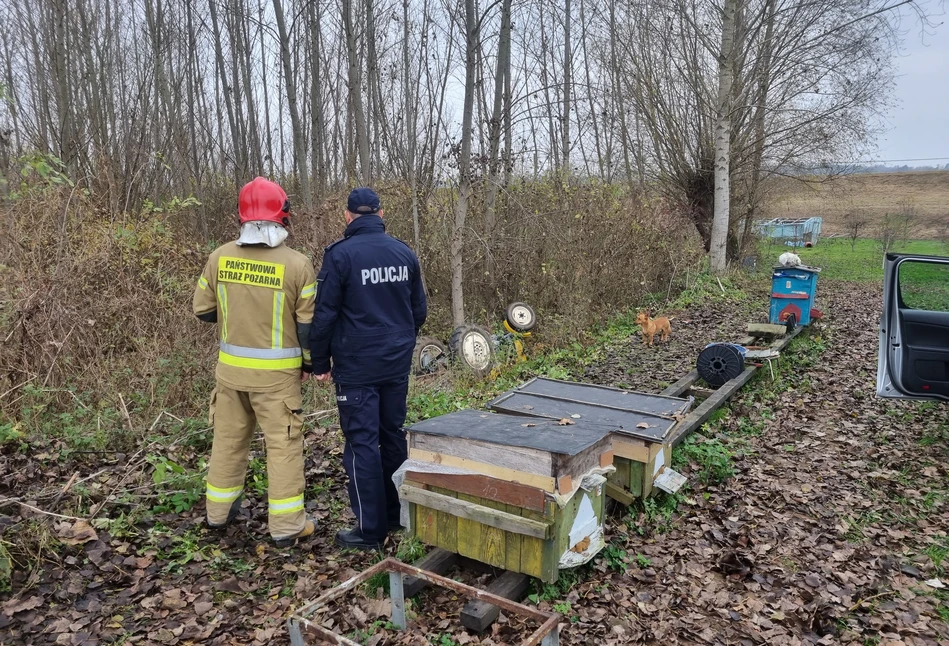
[263, 200]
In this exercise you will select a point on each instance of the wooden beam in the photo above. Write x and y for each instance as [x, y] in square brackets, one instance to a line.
[478, 513]
[619, 494]
[682, 385]
[606, 459]
[438, 561]
[547, 483]
[478, 615]
[565, 484]
[701, 413]
[509, 457]
[494, 489]
[767, 329]
[630, 448]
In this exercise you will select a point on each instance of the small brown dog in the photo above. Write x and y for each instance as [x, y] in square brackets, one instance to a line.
[652, 326]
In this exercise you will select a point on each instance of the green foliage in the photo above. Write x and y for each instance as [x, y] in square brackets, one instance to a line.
[410, 549]
[938, 553]
[179, 549]
[6, 568]
[41, 170]
[711, 456]
[177, 489]
[10, 434]
[616, 557]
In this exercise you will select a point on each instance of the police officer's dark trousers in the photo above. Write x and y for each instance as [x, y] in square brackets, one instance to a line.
[371, 418]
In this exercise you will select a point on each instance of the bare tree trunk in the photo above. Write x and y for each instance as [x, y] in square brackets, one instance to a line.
[764, 87]
[723, 130]
[317, 126]
[494, 137]
[411, 135]
[464, 168]
[567, 86]
[616, 78]
[225, 88]
[355, 94]
[299, 150]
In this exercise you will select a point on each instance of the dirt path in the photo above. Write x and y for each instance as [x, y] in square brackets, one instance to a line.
[836, 514]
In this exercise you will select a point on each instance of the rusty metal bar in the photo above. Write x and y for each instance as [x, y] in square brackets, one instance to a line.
[547, 634]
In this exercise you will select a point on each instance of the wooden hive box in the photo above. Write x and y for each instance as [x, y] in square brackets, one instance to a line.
[641, 425]
[500, 505]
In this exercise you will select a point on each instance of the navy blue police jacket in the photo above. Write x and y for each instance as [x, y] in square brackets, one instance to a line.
[370, 304]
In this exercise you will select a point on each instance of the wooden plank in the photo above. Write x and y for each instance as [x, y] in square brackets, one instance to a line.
[700, 393]
[606, 459]
[682, 385]
[658, 456]
[547, 483]
[620, 477]
[630, 448]
[438, 561]
[636, 478]
[565, 484]
[465, 508]
[700, 415]
[509, 457]
[469, 531]
[478, 615]
[619, 494]
[426, 525]
[493, 543]
[446, 524]
[512, 547]
[767, 329]
[532, 556]
[495, 489]
[579, 465]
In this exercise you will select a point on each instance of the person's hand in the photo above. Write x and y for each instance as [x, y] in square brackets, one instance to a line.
[325, 377]
[304, 375]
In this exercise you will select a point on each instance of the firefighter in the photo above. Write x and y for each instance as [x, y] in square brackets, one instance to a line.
[261, 295]
[370, 306]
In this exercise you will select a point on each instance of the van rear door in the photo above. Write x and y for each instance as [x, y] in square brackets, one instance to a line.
[913, 360]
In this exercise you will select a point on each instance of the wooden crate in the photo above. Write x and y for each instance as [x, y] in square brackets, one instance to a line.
[495, 532]
[503, 510]
[641, 425]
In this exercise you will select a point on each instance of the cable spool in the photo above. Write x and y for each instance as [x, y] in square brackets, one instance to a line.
[719, 363]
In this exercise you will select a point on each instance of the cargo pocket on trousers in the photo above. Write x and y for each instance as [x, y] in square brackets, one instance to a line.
[212, 406]
[294, 417]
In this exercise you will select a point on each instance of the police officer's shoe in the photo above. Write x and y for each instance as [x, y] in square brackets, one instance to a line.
[232, 513]
[354, 540]
[309, 528]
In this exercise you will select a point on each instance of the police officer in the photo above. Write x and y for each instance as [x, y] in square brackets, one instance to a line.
[261, 295]
[370, 306]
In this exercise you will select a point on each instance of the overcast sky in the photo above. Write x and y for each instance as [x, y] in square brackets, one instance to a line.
[919, 123]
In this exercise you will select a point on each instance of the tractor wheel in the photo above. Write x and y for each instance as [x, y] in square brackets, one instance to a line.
[474, 347]
[430, 355]
[521, 317]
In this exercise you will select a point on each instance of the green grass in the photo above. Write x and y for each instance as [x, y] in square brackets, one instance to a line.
[864, 263]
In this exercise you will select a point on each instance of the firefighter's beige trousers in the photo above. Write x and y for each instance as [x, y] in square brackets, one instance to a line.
[233, 414]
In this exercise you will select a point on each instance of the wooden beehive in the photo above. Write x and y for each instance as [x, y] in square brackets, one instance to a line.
[640, 424]
[502, 509]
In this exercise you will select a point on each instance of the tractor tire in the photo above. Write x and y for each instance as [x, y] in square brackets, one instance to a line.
[474, 348]
[521, 317]
[430, 355]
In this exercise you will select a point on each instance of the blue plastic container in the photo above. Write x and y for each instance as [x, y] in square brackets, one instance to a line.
[793, 290]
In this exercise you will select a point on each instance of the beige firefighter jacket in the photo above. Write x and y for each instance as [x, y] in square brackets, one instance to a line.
[260, 294]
